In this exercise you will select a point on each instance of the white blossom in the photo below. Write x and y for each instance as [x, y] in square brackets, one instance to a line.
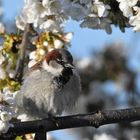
[6, 91]
[12, 73]
[45, 43]
[8, 111]
[45, 3]
[135, 20]
[50, 25]
[5, 116]
[58, 43]
[76, 11]
[42, 52]
[38, 13]
[126, 6]
[68, 37]
[21, 22]
[4, 126]
[100, 8]
[9, 96]
[2, 73]
[32, 55]
[129, 2]
[53, 7]
[31, 13]
[29, 2]
[2, 28]
[2, 58]
[50, 49]
[10, 99]
[97, 23]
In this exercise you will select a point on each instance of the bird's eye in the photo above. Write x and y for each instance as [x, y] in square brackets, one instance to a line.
[58, 60]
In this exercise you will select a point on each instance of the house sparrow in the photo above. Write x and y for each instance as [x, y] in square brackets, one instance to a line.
[52, 86]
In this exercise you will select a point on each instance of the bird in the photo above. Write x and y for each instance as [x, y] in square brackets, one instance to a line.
[51, 86]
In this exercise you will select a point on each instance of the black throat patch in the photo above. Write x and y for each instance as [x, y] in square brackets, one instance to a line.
[63, 78]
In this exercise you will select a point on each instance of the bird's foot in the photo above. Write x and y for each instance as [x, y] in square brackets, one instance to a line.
[53, 119]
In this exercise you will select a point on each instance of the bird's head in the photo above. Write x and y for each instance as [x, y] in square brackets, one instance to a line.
[57, 60]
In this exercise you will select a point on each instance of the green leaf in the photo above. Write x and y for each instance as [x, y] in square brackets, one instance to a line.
[18, 138]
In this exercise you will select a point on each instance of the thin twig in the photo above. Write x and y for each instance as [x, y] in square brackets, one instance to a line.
[22, 46]
[94, 120]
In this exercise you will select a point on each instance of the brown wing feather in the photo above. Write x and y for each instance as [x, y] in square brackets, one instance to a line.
[34, 67]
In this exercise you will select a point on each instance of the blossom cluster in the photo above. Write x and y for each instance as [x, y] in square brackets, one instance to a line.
[46, 15]
[51, 15]
[8, 86]
[7, 109]
[131, 11]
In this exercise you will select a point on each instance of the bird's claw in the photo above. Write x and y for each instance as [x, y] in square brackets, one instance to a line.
[53, 119]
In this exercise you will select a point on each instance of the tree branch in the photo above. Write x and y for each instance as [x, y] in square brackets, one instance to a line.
[22, 46]
[94, 119]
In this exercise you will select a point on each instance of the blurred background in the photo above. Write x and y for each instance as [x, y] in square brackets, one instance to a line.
[110, 73]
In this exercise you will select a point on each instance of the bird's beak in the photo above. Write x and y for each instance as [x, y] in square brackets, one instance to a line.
[68, 65]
